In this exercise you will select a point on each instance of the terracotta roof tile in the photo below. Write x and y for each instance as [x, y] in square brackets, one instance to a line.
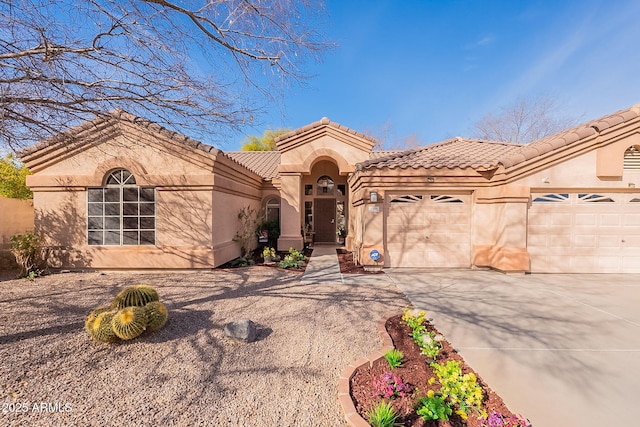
[570, 136]
[112, 118]
[263, 163]
[322, 122]
[453, 153]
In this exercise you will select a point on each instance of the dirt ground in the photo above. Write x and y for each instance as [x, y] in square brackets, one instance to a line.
[188, 373]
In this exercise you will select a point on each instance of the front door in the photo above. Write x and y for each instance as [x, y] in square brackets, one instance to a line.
[325, 220]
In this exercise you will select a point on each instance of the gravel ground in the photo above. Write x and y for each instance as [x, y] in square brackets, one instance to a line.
[188, 373]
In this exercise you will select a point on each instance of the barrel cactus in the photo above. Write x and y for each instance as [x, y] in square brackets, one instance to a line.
[157, 315]
[129, 322]
[135, 296]
[91, 318]
[101, 329]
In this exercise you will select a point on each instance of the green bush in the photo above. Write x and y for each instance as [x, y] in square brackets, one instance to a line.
[383, 415]
[29, 254]
[293, 259]
[394, 358]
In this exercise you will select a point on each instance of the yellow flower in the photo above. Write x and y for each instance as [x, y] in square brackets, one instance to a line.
[430, 393]
[432, 380]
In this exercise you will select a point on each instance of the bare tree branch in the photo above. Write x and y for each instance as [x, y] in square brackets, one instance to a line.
[524, 121]
[191, 65]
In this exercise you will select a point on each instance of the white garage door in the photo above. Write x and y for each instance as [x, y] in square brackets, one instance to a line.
[584, 233]
[428, 230]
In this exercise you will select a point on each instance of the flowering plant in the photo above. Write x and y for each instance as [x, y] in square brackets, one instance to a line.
[390, 386]
[268, 252]
[461, 390]
[496, 419]
[414, 318]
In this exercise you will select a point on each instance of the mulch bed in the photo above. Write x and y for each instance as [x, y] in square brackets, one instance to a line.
[348, 266]
[416, 372]
[258, 260]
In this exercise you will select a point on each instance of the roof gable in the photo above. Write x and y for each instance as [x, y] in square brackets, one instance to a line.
[107, 127]
[315, 130]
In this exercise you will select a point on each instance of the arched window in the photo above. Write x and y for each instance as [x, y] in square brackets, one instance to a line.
[272, 209]
[121, 212]
[632, 158]
[325, 186]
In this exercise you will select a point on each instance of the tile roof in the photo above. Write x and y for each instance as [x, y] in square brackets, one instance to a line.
[322, 122]
[570, 136]
[464, 152]
[263, 163]
[453, 153]
[113, 117]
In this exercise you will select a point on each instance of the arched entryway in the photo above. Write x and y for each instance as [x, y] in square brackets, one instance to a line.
[325, 204]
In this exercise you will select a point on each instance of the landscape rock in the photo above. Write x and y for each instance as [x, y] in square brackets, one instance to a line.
[241, 330]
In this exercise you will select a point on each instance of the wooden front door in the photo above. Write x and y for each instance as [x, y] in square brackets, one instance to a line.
[324, 216]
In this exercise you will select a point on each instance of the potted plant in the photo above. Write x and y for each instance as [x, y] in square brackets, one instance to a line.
[268, 254]
[342, 233]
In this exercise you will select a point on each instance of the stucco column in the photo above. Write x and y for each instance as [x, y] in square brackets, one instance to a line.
[501, 228]
[290, 225]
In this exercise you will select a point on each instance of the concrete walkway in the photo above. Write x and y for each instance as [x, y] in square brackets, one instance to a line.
[324, 267]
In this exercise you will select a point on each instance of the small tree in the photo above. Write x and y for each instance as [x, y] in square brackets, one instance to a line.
[266, 142]
[13, 179]
[248, 219]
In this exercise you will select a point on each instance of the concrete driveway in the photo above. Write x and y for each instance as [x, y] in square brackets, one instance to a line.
[563, 350]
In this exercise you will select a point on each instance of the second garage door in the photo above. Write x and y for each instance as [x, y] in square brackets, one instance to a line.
[428, 230]
[584, 233]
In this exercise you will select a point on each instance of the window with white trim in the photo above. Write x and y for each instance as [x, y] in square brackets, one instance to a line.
[594, 198]
[632, 158]
[121, 213]
[552, 198]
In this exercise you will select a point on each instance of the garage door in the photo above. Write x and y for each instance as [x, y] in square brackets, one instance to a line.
[428, 230]
[584, 233]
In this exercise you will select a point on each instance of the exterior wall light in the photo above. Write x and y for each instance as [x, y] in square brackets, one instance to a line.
[431, 179]
[373, 196]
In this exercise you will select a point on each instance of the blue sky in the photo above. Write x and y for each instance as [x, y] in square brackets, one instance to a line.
[433, 68]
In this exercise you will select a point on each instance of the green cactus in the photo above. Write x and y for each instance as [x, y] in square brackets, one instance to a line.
[88, 323]
[135, 296]
[101, 329]
[157, 315]
[129, 322]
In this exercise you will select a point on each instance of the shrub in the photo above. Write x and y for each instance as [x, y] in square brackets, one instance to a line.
[293, 259]
[460, 389]
[29, 254]
[383, 415]
[433, 407]
[394, 358]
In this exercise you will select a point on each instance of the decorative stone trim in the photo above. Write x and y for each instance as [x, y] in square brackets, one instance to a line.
[344, 383]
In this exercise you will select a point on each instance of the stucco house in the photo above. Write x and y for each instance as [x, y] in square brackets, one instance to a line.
[123, 192]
